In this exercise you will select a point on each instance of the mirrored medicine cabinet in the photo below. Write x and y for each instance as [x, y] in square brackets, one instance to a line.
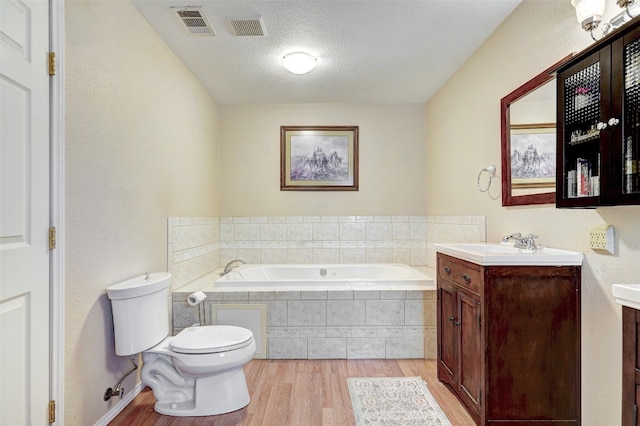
[528, 140]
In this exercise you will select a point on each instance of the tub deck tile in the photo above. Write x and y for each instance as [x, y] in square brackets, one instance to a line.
[288, 295]
[338, 332]
[365, 348]
[287, 348]
[333, 348]
[306, 313]
[313, 295]
[403, 347]
[366, 294]
[346, 312]
[339, 294]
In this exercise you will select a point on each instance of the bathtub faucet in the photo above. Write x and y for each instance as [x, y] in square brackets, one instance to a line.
[229, 267]
[523, 242]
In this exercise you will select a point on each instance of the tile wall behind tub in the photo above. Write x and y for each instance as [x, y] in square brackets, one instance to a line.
[324, 239]
[198, 246]
[193, 248]
[453, 229]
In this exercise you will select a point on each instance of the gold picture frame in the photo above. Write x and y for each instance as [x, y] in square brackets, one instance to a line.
[319, 158]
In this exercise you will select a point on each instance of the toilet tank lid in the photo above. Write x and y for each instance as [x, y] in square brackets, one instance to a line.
[139, 286]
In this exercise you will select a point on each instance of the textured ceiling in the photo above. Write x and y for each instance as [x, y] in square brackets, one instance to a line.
[395, 51]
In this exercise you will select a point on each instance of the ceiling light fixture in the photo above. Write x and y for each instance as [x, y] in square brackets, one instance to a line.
[589, 14]
[299, 62]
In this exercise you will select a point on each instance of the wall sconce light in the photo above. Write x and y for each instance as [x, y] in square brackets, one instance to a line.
[589, 14]
[299, 62]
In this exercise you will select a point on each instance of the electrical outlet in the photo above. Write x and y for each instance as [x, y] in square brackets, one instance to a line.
[601, 238]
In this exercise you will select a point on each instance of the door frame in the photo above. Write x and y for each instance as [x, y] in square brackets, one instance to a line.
[56, 208]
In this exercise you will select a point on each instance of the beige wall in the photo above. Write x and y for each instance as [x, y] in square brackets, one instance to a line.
[392, 160]
[141, 145]
[463, 136]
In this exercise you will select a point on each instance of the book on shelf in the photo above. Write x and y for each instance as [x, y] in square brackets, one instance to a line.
[571, 184]
[583, 177]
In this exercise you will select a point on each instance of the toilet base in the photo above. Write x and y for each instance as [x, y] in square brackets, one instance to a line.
[215, 394]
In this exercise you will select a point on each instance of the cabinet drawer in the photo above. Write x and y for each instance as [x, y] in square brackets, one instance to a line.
[464, 274]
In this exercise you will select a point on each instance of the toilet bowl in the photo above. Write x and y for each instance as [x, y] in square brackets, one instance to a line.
[209, 362]
[198, 372]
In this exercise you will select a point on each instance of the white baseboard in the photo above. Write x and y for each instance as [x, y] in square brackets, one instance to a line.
[116, 409]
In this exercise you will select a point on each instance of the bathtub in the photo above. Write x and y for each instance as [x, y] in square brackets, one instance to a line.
[331, 311]
[334, 276]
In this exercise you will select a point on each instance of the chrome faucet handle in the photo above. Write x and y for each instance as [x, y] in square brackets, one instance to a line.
[530, 241]
[515, 235]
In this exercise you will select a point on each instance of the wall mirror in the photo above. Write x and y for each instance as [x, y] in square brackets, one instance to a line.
[528, 141]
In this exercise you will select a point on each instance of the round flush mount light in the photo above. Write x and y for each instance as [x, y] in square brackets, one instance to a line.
[299, 62]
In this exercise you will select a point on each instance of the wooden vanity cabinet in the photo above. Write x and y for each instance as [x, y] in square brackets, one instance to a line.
[509, 341]
[630, 366]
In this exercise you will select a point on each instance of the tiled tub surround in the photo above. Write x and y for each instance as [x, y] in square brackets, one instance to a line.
[197, 246]
[324, 239]
[318, 322]
[453, 229]
[193, 248]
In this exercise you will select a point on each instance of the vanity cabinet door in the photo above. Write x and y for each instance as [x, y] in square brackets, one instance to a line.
[448, 347]
[460, 353]
[470, 359]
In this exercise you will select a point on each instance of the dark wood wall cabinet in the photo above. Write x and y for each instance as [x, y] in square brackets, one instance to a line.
[630, 366]
[598, 133]
[509, 341]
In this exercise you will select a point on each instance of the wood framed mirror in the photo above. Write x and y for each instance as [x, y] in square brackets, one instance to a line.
[528, 140]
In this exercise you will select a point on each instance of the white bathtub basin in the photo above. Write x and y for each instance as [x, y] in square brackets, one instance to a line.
[333, 275]
[627, 294]
[486, 254]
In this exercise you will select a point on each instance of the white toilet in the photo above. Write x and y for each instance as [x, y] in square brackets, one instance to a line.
[198, 372]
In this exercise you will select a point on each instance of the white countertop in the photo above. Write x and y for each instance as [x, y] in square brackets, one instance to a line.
[627, 295]
[487, 254]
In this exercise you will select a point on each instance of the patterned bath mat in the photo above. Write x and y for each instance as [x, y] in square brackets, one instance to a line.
[390, 401]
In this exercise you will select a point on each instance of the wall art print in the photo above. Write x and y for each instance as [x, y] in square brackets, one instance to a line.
[533, 155]
[319, 158]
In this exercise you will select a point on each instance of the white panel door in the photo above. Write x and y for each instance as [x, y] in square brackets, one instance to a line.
[24, 212]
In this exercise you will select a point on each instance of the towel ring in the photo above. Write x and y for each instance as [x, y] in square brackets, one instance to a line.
[491, 171]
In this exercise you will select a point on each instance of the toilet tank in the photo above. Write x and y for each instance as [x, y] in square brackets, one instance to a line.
[140, 312]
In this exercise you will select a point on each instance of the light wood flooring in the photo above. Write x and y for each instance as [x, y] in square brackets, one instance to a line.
[302, 392]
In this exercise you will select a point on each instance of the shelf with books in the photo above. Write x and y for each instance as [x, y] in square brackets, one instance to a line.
[599, 123]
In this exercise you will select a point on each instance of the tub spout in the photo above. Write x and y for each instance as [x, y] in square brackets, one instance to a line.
[229, 267]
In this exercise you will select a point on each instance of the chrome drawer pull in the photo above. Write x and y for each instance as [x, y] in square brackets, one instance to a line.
[451, 319]
[466, 278]
[447, 270]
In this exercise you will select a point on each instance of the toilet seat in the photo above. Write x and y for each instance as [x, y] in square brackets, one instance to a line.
[211, 339]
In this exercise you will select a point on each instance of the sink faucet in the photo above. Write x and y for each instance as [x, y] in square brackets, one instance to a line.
[229, 266]
[527, 242]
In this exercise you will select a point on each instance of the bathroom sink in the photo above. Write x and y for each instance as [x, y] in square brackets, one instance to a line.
[627, 294]
[487, 254]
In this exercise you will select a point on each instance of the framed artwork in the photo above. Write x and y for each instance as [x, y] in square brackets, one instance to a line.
[533, 155]
[319, 158]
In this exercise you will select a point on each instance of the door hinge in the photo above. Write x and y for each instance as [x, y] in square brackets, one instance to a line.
[52, 237]
[52, 63]
[52, 411]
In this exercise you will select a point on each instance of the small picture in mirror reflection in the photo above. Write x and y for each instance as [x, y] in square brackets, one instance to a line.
[533, 155]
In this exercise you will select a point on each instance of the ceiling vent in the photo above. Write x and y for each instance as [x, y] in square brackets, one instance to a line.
[243, 26]
[194, 21]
